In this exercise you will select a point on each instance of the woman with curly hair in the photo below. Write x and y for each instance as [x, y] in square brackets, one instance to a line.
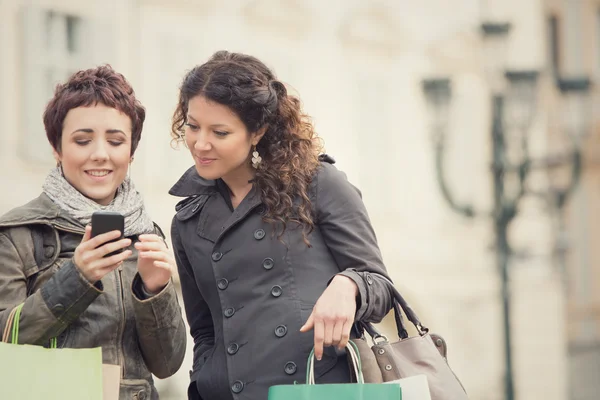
[274, 247]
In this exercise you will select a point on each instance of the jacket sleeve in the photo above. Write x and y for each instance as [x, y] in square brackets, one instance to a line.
[49, 311]
[197, 312]
[344, 223]
[160, 329]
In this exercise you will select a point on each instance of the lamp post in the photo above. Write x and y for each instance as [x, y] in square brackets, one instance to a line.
[513, 100]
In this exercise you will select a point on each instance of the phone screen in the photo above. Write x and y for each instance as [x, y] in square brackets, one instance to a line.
[108, 221]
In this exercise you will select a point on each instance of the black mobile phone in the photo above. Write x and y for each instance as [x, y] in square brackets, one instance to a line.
[108, 221]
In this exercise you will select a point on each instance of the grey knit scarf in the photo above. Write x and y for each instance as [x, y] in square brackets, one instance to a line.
[128, 202]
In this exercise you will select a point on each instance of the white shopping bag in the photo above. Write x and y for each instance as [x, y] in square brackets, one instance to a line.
[414, 387]
[111, 379]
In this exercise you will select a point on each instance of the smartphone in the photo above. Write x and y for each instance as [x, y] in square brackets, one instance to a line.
[108, 221]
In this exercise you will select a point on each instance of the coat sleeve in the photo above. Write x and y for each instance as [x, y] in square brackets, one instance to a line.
[160, 329]
[49, 311]
[345, 226]
[197, 312]
[160, 326]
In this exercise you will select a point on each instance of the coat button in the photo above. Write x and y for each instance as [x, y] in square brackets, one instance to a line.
[259, 234]
[229, 312]
[280, 331]
[237, 387]
[222, 284]
[268, 263]
[233, 348]
[58, 309]
[261, 209]
[290, 368]
[369, 279]
[216, 256]
[48, 252]
[276, 291]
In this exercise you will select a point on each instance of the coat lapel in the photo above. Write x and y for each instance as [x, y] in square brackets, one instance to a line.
[216, 219]
[213, 218]
[250, 202]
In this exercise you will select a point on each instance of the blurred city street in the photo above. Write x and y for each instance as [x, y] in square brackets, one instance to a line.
[470, 127]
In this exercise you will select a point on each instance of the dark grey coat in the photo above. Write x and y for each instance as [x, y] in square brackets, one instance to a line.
[247, 294]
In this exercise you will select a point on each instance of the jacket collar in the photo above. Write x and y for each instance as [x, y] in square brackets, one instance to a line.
[215, 223]
[192, 184]
[41, 210]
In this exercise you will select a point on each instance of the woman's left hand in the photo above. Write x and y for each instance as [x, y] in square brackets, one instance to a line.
[333, 315]
[155, 263]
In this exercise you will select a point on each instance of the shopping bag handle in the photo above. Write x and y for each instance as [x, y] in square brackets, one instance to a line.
[353, 354]
[13, 325]
[8, 326]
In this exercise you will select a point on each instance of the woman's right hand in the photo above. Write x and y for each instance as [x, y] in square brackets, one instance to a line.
[89, 255]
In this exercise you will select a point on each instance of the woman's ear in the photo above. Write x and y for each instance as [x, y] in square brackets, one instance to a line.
[256, 136]
[57, 156]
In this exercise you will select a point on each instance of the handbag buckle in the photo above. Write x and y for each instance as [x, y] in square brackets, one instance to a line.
[382, 338]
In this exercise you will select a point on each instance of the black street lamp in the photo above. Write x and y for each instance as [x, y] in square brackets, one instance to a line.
[513, 99]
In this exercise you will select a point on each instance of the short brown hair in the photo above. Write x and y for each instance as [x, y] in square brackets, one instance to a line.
[88, 87]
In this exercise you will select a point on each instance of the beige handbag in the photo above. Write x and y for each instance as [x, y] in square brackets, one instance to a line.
[424, 354]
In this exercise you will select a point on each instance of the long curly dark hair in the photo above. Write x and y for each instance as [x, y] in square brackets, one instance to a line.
[290, 146]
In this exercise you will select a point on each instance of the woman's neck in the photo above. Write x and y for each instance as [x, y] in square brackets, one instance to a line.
[239, 184]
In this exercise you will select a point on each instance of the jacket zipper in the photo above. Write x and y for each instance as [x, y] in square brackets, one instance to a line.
[122, 322]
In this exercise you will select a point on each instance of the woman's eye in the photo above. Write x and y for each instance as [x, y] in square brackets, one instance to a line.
[221, 133]
[114, 143]
[192, 126]
[82, 142]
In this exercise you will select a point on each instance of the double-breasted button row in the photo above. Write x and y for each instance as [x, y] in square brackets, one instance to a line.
[259, 234]
[276, 291]
[268, 263]
[228, 313]
[281, 331]
[222, 284]
[290, 368]
[233, 348]
[237, 387]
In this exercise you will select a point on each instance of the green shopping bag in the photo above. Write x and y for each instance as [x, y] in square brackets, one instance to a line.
[346, 391]
[33, 372]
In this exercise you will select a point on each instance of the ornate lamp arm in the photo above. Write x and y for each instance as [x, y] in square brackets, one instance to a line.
[466, 210]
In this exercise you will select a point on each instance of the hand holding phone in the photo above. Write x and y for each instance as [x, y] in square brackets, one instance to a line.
[102, 248]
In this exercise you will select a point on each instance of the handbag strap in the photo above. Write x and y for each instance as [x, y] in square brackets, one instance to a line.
[400, 305]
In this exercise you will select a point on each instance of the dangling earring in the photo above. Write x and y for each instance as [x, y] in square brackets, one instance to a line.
[256, 158]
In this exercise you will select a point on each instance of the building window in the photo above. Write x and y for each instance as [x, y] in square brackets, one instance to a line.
[52, 48]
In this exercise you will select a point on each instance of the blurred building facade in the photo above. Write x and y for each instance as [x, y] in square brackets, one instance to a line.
[357, 66]
[573, 38]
